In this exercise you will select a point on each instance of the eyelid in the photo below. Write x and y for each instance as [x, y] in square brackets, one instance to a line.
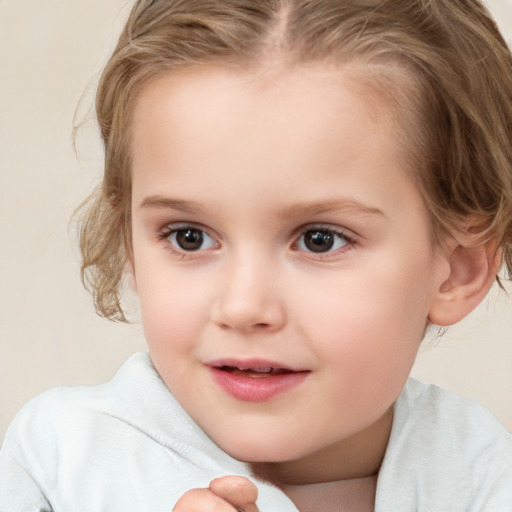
[176, 226]
[324, 226]
[343, 232]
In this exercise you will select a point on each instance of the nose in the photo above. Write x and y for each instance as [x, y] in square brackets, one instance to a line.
[250, 297]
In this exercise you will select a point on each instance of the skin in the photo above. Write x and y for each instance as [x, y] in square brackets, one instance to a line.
[253, 158]
[223, 495]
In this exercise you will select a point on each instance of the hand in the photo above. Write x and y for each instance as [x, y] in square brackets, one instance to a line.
[225, 494]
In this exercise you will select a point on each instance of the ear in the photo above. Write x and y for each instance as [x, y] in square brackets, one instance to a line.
[472, 271]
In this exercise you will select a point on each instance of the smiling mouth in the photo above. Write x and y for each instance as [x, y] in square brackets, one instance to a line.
[256, 381]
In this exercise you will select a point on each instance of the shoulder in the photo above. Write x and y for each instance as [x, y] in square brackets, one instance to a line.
[66, 437]
[66, 415]
[444, 418]
[450, 427]
[447, 449]
[61, 404]
[419, 399]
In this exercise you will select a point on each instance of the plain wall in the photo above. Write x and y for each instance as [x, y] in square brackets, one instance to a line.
[50, 54]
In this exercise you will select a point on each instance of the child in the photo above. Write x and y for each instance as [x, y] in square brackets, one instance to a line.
[298, 189]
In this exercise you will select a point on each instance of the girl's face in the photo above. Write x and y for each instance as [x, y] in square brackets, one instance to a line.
[281, 256]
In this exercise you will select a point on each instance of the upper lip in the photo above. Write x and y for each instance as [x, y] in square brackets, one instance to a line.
[253, 364]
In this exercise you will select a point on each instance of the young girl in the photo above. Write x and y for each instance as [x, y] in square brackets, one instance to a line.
[298, 190]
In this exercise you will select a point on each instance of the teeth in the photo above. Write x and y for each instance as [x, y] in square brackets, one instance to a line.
[254, 371]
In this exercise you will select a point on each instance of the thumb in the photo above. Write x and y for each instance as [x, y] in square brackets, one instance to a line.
[239, 491]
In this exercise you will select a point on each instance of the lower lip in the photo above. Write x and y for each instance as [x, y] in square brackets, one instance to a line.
[257, 389]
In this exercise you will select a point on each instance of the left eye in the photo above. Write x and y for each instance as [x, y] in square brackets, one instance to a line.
[191, 239]
[321, 240]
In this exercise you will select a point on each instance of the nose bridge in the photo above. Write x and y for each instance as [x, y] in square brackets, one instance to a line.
[249, 296]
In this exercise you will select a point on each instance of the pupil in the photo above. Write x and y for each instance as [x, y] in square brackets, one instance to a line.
[189, 239]
[319, 241]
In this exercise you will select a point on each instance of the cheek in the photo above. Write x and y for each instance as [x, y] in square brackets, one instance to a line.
[172, 309]
[369, 324]
[172, 318]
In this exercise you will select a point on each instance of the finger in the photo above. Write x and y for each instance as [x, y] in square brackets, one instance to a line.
[202, 500]
[237, 490]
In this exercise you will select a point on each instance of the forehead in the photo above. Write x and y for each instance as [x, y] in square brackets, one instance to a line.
[308, 130]
[203, 98]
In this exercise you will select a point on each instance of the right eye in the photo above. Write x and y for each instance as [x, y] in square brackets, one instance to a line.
[190, 239]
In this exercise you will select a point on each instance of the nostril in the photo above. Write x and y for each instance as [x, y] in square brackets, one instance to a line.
[258, 327]
[261, 326]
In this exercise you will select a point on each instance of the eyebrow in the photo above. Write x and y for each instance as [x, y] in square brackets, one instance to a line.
[307, 208]
[169, 203]
[328, 206]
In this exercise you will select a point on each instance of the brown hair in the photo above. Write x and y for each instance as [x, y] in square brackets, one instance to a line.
[455, 108]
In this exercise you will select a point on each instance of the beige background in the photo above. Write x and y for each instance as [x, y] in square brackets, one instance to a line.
[50, 55]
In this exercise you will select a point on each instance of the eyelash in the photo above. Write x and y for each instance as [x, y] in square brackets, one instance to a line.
[171, 230]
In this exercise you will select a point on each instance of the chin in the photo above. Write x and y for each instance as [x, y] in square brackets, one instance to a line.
[259, 450]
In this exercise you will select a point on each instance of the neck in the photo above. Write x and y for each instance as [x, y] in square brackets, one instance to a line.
[356, 495]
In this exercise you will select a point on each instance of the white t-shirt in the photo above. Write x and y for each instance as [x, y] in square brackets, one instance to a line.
[128, 446]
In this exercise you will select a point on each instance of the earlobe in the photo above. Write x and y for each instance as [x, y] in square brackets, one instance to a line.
[472, 271]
